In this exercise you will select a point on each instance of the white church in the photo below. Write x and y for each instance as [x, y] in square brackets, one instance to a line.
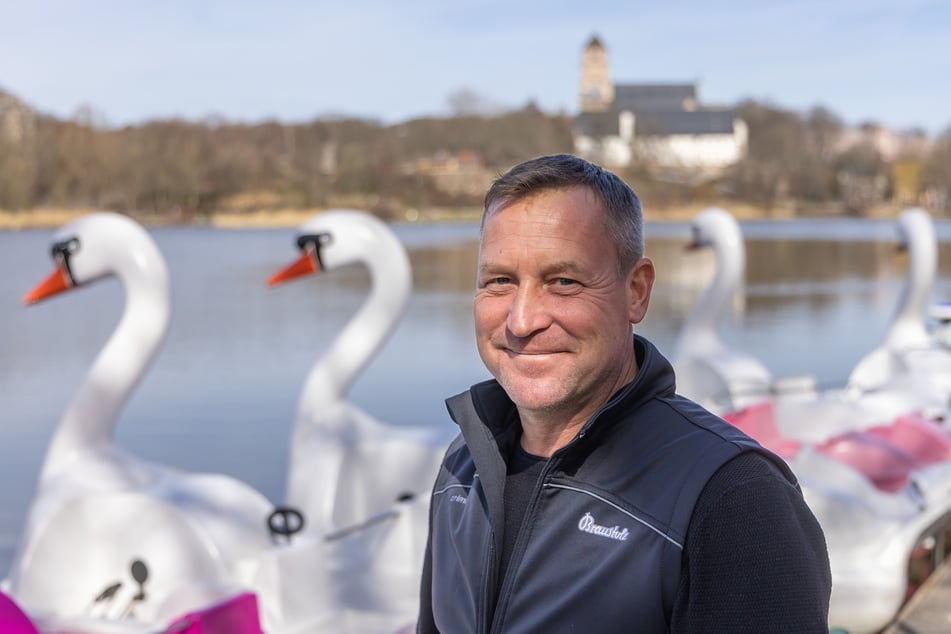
[663, 124]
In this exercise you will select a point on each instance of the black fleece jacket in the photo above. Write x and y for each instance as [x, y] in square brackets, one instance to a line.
[657, 517]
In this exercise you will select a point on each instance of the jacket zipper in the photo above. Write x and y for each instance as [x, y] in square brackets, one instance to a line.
[489, 582]
[501, 599]
[501, 603]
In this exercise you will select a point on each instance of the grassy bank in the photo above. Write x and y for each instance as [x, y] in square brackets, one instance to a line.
[278, 218]
[274, 218]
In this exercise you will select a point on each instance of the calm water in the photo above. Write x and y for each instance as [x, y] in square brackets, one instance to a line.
[222, 393]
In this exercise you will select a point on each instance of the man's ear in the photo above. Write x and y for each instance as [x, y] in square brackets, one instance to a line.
[640, 281]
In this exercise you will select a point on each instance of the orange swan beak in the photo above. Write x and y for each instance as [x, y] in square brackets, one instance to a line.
[306, 264]
[56, 283]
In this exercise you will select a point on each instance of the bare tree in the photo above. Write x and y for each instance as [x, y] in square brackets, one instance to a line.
[936, 174]
[468, 103]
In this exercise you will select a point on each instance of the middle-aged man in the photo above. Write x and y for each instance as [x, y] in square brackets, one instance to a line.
[583, 495]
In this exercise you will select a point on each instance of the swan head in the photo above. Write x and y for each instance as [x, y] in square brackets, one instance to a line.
[915, 227]
[716, 228]
[334, 239]
[96, 246]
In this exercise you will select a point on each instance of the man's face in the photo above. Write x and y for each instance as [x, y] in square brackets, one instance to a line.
[552, 317]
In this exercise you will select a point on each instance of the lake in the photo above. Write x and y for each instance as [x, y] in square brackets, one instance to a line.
[222, 393]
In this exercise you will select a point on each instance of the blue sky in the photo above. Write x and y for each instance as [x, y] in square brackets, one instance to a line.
[293, 60]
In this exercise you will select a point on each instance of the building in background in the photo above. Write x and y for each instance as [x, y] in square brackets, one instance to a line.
[661, 125]
[891, 145]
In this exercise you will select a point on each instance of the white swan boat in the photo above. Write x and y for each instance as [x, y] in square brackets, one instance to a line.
[368, 467]
[115, 544]
[874, 469]
[725, 379]
[109, 536]
[909, 351]
[366, 464]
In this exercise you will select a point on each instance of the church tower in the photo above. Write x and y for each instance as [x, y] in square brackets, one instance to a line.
[596, 90]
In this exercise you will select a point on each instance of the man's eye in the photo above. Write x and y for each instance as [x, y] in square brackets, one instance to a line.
[565, 281]
[498, 281]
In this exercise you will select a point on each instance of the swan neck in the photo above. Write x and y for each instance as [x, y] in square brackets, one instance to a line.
[700, 327]
[332, 376]
[908, 327]
[90, 418]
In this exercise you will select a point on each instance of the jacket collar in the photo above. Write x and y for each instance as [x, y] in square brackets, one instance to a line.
[486, 412]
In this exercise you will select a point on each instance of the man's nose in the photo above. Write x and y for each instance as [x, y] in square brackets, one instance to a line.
[528, 312]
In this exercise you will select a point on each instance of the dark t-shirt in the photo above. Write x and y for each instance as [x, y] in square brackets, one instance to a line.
[523, 472]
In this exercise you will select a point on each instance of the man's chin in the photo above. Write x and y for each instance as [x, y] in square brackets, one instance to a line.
[531, 393]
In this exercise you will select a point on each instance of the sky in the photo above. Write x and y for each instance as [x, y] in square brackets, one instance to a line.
[881, 61]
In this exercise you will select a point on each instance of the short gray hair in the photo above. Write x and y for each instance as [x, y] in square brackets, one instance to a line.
[623, 217]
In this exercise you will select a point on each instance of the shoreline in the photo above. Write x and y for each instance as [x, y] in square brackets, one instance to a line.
[51, 218]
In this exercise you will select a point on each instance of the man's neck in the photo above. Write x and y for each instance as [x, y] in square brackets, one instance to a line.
[545, 432]
[541, 438]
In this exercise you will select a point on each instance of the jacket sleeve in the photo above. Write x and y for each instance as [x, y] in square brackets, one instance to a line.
[755, 558]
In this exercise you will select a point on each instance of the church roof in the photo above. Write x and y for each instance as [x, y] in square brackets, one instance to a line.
[597, 124]
[665, 122]
[658, 122]
[639, 97]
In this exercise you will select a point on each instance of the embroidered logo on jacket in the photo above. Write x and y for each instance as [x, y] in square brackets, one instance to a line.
[588, 525]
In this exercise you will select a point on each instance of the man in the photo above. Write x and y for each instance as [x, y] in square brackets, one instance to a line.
[583, 495]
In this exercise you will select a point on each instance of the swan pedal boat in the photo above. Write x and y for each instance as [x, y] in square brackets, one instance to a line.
[873, 458]
[114, 544]
[908, 372]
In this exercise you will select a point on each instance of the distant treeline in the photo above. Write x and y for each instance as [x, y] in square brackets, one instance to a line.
[180, 168]
[814, 162]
